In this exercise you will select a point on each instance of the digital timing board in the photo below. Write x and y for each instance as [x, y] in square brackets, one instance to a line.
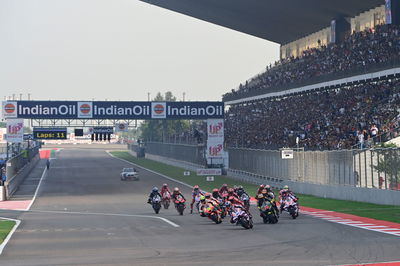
[50, 133]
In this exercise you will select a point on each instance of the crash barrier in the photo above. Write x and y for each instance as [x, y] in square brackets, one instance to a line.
[137, 151]
[18, 167]
[16, 163]
[369, 168]
[182, 152]
[12, 182]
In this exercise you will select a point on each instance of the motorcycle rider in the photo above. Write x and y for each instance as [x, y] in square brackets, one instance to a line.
[259, 190]
[286, 192]
[240, 191]
[223, 190]
[165, 189]
[267, 196]
[195, 193]
[176, 194]
[269, 190]
[232, 193]
[215, 194]
[211, 200]
[237, 204]
[153, 193]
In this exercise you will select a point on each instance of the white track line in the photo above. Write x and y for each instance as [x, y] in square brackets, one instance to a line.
[17, 222]
[37, 190]
[110, 214]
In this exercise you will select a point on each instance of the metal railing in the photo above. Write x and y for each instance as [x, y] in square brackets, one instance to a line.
[370, 168]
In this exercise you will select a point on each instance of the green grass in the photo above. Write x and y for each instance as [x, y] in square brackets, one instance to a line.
[5, 228]
[375, 211]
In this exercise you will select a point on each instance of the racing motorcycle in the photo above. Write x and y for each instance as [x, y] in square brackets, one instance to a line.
[212, 213]
[241, 217]
[180, 204]
[268, 212]
[166, 199]
[197, 202]
[225, 208]
[156, 203]
[291, 206]
[246, 200]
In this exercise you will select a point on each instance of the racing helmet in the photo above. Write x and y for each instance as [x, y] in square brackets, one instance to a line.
[196, 187]
[207, 195]
[202, 198]
[155, 189]
[224, 185]
[215, 190]
[165, 185]
[176, 190]
[231, 190]
[262, 186]
[286, 187]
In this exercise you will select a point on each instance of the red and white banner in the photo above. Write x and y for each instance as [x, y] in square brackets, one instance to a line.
[215, 130]
[15, 130]
[214, 149]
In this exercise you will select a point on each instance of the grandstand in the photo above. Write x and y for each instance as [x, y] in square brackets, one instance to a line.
[336, 85]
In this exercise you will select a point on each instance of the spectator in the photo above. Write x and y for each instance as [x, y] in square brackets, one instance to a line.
[358, 51]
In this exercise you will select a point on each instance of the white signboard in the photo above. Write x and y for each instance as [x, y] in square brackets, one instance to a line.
[9, 109]
[15, 130]
[186, 173]
[121, 127]
[209, 171]
[215, 130]
[210, 178]
[287, 154]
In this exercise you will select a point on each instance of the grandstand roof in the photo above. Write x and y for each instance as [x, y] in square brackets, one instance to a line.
[280, 21]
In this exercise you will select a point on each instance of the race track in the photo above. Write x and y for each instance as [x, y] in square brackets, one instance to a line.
[84, 215]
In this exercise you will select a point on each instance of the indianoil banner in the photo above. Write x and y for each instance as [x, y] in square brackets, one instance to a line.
[112, 110]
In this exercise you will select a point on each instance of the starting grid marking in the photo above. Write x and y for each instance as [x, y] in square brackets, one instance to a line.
[355, 221]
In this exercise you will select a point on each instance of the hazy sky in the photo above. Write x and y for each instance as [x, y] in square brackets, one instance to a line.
[120, 50]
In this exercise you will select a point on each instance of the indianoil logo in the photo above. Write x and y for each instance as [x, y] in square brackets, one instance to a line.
[158, 110]
[85, 108]
[9, 109]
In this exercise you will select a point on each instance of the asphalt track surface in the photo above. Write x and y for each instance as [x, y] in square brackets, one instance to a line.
[81, 217]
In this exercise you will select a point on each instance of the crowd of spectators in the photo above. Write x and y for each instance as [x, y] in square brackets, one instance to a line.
[341, 118]
[358, 50]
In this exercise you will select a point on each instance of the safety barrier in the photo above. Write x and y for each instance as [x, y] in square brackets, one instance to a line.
[13, 183]
[19, 167]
